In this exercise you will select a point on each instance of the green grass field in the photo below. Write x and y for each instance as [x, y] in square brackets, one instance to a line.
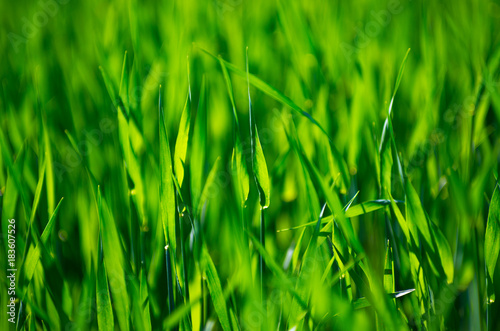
[249, 165]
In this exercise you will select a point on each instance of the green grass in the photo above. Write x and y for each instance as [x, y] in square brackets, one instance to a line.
[236, 165]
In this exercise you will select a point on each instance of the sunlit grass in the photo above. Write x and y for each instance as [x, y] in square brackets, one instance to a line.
[240, 166]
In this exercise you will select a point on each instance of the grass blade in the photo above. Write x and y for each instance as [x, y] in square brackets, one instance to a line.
[34, 255]
[114, 261]
[181, 143]
[105, 310]
[259, 165]
[167, 191]
[198, 149]
[215, 288]
[492, 236]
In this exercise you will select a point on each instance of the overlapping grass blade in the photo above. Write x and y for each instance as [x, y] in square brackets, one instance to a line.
[269, 90]
[215, 288]
[34, 255]
[105, 314]
[114, 261]
[167, 192]
[259, 165]
[198, 149]
[354, 211]
[181, 143]
[492, 236]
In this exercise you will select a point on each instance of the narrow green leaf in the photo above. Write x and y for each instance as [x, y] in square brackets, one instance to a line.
[38, 192]
[215, 288]
[34, 255]
[124, 83]
[492, 237]
[389, 281]
[211, 188]
[401, 220]
[238, 162]
[198, 149]
[105, 319]
[363, 302]
[259, 165]
[261, 173]
[354, 211]
[115, 262]
[229, 87]
[167, 191]
[415, 216]
[444, 252]
[242, 179]
[49, 179]
[181, 143]
[109, 87]
[388, 121]
[144, 299]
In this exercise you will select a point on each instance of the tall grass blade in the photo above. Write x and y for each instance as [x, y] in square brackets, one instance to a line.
[492, 236]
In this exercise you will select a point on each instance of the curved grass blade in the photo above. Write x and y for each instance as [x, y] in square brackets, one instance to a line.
[181, 143]
[388, 121]
[215, 288]
[331, 199]
[354, 211]
[31, 227]
[444, 251]
[144, 299]
[115, 262]
[238, 162]
[415, 216]
[198, 149]
[259, 165]
[364, 303]
[492, 236]
[170, 280]
[34, 255]
[123, 89]
[267, 89]
[229, 87]
[210, 189]
[105, 319]
[260, 172]
[167, 191]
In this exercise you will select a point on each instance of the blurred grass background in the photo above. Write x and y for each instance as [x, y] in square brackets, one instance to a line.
[336, 60]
